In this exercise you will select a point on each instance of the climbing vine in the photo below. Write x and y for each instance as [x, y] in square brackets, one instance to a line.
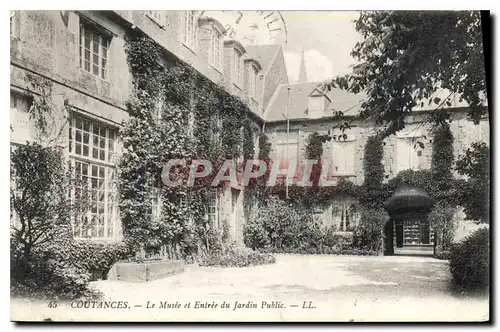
[175, 113]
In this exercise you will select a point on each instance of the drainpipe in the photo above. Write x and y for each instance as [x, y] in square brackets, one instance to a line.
[287, 136]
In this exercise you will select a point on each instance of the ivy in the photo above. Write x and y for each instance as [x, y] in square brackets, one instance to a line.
[175, 113]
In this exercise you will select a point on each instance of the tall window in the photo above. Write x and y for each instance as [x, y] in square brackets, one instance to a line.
[216, 129]
[409, 154]
[287, 147]
[22, 127]
[343, 156]
[212, 209]
[253, 81]
[215, 49]
[344, 216]
[91, 149]
[19, 102]
[189, 28]
[238, 57]
[93, 51]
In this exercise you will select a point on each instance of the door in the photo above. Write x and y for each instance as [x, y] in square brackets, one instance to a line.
[424, 233]
[399, 233]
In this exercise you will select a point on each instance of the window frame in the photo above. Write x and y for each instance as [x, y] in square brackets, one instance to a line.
[190, 29]
[238, 71]
[345, 218]
[215, 55]
[103, 41]
[253, 81]
[343, 145]
[109, 189]
[282, 141]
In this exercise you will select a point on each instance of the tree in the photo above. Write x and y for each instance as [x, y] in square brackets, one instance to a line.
[475, 197]
[406, 57]
[40, 205]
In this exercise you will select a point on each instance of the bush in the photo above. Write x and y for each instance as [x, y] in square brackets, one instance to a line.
[469, 261]
[441, 218]
[237, 257]
[63, 268]
[442, 253]
[368, 234]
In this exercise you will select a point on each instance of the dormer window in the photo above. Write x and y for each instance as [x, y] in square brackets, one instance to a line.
[318, 103]
[238, 57]
[236, 70]
[252, 69]
[215, 49]
[253, 81]
[189, 29]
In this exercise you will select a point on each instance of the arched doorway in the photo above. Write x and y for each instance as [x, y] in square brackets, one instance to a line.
[408, 232]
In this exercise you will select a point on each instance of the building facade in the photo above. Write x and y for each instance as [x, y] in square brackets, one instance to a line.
[82, 53]
[297, 110]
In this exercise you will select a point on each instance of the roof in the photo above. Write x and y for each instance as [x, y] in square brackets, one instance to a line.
[408, 198]
[264, 54]
[348, 103]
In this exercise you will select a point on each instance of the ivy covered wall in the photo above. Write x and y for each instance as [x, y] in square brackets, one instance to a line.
[175, 113]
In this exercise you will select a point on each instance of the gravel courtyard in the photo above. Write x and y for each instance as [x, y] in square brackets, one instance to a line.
[296, 288]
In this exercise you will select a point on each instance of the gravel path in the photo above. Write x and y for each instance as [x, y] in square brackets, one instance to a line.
[296, 288]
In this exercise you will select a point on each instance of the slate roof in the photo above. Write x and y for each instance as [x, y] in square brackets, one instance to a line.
[348, 103]
[264, 54]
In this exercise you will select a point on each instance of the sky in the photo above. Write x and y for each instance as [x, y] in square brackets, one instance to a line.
[327, 38]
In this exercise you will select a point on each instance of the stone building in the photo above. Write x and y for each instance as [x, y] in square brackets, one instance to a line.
[297, 110]
[82, 53]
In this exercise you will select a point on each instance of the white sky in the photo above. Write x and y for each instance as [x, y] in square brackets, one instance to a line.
[327, 38]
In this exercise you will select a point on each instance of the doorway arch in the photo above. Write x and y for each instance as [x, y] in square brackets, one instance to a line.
[408, 230]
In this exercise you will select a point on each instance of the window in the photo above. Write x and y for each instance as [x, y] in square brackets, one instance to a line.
[20, 102]
[237, 67]
[253, 81]
[287, 148]
[215, 49]
[409, 154]
[344, 216]
[91, 148]
[343, 156]
[216, 129]
[93, 51]
[212, 209]
[189, 25]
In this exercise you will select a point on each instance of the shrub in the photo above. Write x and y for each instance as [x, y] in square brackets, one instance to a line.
[441, 218]
[469, 260]
[237, 257]
[63, 268]
[368, 234]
